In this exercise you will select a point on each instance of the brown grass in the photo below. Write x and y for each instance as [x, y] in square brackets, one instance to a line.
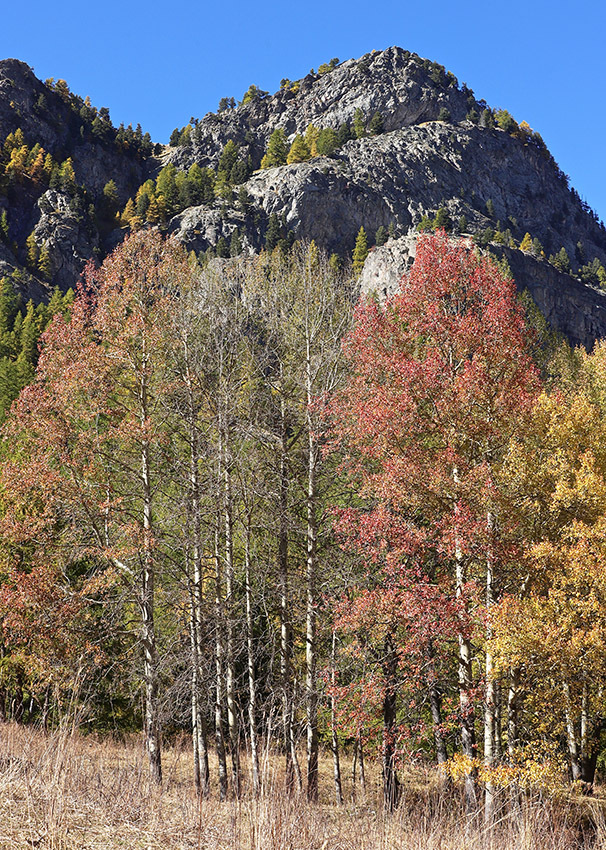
[64, 791]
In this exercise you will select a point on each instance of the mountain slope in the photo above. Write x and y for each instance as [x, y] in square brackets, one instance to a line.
[408, 143]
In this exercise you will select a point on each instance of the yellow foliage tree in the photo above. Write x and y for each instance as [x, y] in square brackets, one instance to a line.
[526, 243]
[299, 151]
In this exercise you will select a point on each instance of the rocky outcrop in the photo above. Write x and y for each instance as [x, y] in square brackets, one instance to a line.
[437, 151]
[575, 310]
[403, 88]
[64, 233]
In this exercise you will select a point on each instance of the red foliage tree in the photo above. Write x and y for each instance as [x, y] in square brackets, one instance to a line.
[441, 378]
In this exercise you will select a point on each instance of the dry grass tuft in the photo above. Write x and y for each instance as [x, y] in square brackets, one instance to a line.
[65, 792]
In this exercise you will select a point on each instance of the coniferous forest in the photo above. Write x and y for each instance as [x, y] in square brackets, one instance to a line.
[244, 509]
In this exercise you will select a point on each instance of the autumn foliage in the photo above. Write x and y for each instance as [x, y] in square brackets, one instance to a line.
[381, 531]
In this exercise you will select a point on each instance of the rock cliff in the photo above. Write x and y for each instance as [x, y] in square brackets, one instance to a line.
[434, 147]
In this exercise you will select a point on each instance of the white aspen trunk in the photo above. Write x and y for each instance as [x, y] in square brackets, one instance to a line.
[199, 732]
[232, 714]
[468, 743]
[336, 763]
[219, 674]
[571, 735]
[150, 654]
[252, 682]
[584, 728]
[285, 633]
[311, 685]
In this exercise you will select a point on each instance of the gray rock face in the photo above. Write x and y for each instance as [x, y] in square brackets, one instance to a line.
[573, 309]
[418, 165]
[393, 82]
[64, 236]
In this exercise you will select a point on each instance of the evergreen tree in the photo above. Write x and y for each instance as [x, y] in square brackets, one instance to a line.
[222, 248]
[174, 137]
[273, 233]
[344, 135]
[228, 158]
[166, 186]
[44, 264]
[375, 128]
[462, 225]
[380, 236]
[561, 261]
[33, 252]
[443, 220]
[277, 150]
[111, 201]
[444, 115]
[537, 248]
[490, 208]
[526, 243]
[359, 124]
[360, 251]
[299, 151]
[327, 142]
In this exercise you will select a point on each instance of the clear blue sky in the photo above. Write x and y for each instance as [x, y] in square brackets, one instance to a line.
[159, 64]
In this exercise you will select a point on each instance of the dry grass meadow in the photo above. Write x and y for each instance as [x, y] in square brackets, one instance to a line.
[64, 791]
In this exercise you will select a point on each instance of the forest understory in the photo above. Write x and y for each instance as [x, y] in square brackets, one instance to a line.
[65, 791]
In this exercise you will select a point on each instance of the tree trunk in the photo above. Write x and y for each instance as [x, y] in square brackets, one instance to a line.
[498, 721]
[571, 735]
[310, 645]
[390, 777]
[232, 714]
[513, 704]
[489, 697]
[336, 763]
[250, 661]
[199, 732]
[285, 630]
[362, 764]
[219, 676]
[150, 655]
[435, 705]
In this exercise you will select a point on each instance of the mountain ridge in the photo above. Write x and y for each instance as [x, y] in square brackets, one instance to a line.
[412, 144]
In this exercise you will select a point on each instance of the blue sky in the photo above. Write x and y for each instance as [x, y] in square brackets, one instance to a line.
[159, 64]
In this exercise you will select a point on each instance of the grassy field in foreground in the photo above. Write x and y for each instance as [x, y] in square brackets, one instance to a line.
[66, 792]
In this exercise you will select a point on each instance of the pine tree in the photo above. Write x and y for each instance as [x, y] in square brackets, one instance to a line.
[33, 252]
[380, 236]
[277, 150]
[443, 220]
[359, 124]
[561, 261]
[375, 128]
[344, 134]
[360, 251]
[327, 142]
[273, 233]
[228, 158]
[299, 151]
[111, 200]
[526, 243]
[4, 226]
[128, 213]
[44, 264]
